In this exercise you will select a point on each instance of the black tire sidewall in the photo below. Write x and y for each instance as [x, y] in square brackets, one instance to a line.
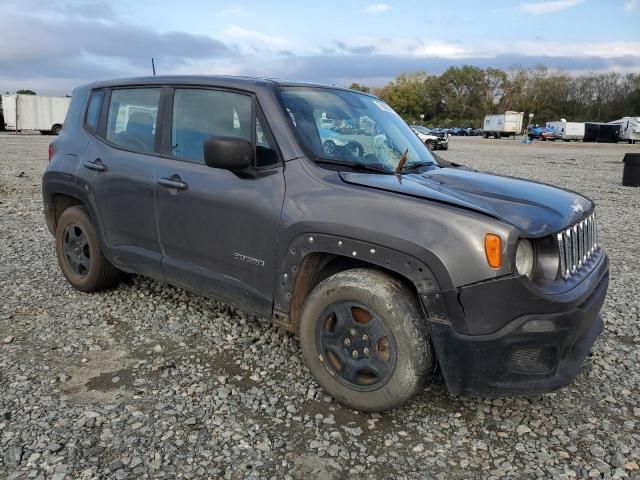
[330, 144]
[396, 305]
[91, 281]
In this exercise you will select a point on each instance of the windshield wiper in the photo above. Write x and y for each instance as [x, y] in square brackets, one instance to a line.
[416, 165]
[372, 167]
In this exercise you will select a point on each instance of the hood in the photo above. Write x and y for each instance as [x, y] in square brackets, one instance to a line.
[534, 208]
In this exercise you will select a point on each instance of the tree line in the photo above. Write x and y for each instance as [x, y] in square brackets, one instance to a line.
[462, 96]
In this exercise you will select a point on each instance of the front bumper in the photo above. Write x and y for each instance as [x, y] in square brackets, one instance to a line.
[540, 347]
[442, 143]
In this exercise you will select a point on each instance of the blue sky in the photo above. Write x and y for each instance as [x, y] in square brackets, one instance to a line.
[52, 46]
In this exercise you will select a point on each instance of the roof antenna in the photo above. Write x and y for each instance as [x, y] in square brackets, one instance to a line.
[153, 67]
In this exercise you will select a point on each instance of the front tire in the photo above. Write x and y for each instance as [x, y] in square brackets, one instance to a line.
[329, 147]
[79, 254]
[364, 339]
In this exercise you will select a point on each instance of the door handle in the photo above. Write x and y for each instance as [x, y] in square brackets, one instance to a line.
[173, 182]
[96, 165]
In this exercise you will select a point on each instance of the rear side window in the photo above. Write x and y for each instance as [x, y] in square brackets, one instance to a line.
[132, 118]
[200, 114]
[93, 109]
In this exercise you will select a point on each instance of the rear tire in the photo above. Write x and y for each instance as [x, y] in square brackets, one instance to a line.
[79, 254]
[377, 317]
[55, 130]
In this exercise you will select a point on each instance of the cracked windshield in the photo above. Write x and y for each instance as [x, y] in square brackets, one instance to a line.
[350, 128]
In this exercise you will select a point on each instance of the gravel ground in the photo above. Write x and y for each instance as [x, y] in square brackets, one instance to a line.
[150, 381]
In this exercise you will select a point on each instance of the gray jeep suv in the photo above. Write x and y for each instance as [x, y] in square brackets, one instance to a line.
[387, 261]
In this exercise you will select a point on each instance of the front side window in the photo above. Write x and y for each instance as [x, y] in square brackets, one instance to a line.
[93, 109]
[352, 128]
[200, 114]
[132, 118]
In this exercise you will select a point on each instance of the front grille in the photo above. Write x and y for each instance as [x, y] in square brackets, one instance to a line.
[577, 244]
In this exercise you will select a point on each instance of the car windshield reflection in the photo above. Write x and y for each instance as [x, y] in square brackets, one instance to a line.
[352, 128]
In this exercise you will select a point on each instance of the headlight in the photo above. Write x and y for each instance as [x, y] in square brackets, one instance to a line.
[525, 258]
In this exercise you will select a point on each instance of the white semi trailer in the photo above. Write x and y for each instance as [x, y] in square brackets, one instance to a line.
[34, 112]
[507, 124]
[568, 130]
[629, 129]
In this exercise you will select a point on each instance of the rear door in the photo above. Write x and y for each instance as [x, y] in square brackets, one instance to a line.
[218, 229]
[118, 170]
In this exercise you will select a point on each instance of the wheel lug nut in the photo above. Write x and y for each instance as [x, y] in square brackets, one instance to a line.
[346, 342]
[352, 331]
[365, 350]
[354, 354]
[365, 337]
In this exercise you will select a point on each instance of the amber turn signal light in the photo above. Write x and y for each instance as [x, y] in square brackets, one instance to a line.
[493, 250]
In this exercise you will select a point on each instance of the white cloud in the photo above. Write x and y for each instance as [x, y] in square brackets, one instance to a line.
[539, 8]
[630, 5]
[258, 37]
[439, 49]
[586, 49]
[235, 10]
[377, 8]
[414, 47]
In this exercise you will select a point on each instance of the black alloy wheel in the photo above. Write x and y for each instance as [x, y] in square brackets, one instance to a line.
[357, 344]
[77, 252]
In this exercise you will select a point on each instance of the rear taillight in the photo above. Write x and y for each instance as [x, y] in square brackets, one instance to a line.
[50, 151]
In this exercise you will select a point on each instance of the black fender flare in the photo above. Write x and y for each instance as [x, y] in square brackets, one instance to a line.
[56, 183]
[415, 270]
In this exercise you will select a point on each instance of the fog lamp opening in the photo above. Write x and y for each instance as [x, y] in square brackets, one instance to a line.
[539, 325]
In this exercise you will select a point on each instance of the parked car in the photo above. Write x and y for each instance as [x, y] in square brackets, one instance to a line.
[430, 139]
[461, 132]
[332, 142]
[386, 264]
[345, 129]
[542, 133]
[549, 134]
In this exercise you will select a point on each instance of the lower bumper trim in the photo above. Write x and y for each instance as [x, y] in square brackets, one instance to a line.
[531, 354]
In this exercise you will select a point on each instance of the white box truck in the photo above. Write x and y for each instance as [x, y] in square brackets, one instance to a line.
[567, 131]
[629, 129]
[507, 124]
[34, 112]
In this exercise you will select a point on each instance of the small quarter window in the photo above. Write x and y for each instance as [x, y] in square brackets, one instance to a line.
[132, 118]
[93, 109]
[265, 151]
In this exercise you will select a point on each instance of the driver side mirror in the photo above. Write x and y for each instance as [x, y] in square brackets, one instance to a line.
[229, 153]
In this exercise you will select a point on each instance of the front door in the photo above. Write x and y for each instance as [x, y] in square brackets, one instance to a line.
[218, 229]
